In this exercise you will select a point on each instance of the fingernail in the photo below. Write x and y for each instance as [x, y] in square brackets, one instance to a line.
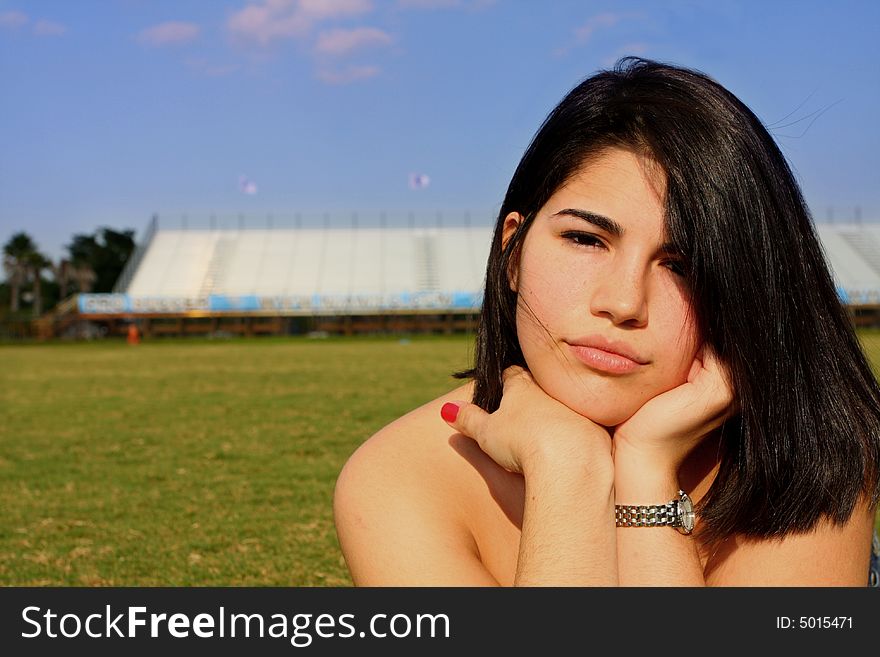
[449, 411]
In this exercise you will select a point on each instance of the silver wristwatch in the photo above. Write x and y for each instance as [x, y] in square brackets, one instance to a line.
[678, 513]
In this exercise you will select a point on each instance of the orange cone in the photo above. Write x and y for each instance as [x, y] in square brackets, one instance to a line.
[134, 337]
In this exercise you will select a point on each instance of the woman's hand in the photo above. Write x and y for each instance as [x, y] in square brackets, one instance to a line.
[664, 431]
[528, 425]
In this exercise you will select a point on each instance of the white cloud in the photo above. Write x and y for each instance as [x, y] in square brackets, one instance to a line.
[270, 20]
[265, 23]
[12, 19]
[49, 28]
[343, 41]
[347, 75]
[170, 33]
[324, 9]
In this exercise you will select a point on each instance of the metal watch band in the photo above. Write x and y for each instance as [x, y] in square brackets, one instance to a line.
[657, 515]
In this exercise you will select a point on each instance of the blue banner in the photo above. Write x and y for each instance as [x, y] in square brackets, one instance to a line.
[124, 304]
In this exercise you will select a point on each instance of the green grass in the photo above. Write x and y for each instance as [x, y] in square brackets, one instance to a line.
[209, 463]
[193, 463]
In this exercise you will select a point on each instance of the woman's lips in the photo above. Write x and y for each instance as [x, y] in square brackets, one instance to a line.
[604, 361]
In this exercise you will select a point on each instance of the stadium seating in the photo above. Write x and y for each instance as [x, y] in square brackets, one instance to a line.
[367, 262]
[853, 254]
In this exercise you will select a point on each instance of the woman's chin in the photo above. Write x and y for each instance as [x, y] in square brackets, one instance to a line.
[596, 407]
[609, 421]
[607, 417]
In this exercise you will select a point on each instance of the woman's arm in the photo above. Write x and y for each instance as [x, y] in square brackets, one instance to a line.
[568, 536]
[648, 451]
[404, 509]
[568, 533]
[652, 556]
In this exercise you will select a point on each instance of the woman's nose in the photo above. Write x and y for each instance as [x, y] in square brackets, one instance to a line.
[620, 295]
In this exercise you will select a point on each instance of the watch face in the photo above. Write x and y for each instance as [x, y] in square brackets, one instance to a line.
[686, 513]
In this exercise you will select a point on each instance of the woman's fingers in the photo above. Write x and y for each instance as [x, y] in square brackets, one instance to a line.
[720, 377]
[467, 419]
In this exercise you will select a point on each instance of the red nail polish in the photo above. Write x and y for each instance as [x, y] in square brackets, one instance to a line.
[449, 411]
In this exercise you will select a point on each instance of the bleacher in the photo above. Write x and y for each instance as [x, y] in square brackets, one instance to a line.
[853, 253]
[272, 279]
[365, 263]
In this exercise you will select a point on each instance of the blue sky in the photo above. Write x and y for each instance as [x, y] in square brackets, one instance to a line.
[114, 109]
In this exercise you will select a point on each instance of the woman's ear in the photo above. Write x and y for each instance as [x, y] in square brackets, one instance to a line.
[511, 224]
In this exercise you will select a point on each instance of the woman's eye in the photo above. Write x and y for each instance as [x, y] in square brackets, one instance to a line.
[675, 266]
[583, 239]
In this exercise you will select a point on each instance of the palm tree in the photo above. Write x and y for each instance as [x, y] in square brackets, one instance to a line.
[36, 263]
[63, 272]
[16, 254]
[84, 276]
[15, 277]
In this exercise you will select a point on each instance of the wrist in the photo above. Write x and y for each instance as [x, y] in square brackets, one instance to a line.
[640, 478]
[677, 513]
[651, 489]
[642, 457]
[555, 459]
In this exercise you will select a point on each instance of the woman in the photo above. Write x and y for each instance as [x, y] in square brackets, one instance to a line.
[658, 319]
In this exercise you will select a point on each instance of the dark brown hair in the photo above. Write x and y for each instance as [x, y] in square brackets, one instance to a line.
[806, 443]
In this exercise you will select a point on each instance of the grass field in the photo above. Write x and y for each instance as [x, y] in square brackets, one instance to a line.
[193, 463]
[209, 463]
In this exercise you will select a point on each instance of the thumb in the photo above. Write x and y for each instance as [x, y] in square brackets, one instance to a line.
[467, 419]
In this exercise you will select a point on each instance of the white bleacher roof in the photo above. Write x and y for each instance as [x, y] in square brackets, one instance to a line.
[371, 267]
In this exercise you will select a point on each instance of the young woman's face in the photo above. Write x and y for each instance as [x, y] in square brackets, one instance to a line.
[602, 315]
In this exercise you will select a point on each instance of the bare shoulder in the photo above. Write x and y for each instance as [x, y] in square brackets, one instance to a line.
[829, 555]
[400, 505]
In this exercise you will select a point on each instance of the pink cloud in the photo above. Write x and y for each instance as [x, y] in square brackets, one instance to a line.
[270, 20]
[170, 33]
[265, 23]
[12, 19]
[324, 9]
[348, 75]
[342, 41]
[49, 28]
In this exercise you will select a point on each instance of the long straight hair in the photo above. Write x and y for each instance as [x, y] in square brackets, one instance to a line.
[806, 442]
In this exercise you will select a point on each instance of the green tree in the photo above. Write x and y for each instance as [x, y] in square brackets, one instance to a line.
[36, 262]
[62, 271]
[98, 259]
[18, 254]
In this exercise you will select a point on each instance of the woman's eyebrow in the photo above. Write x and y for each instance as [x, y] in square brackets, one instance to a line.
[610, 226]
[598, 220]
